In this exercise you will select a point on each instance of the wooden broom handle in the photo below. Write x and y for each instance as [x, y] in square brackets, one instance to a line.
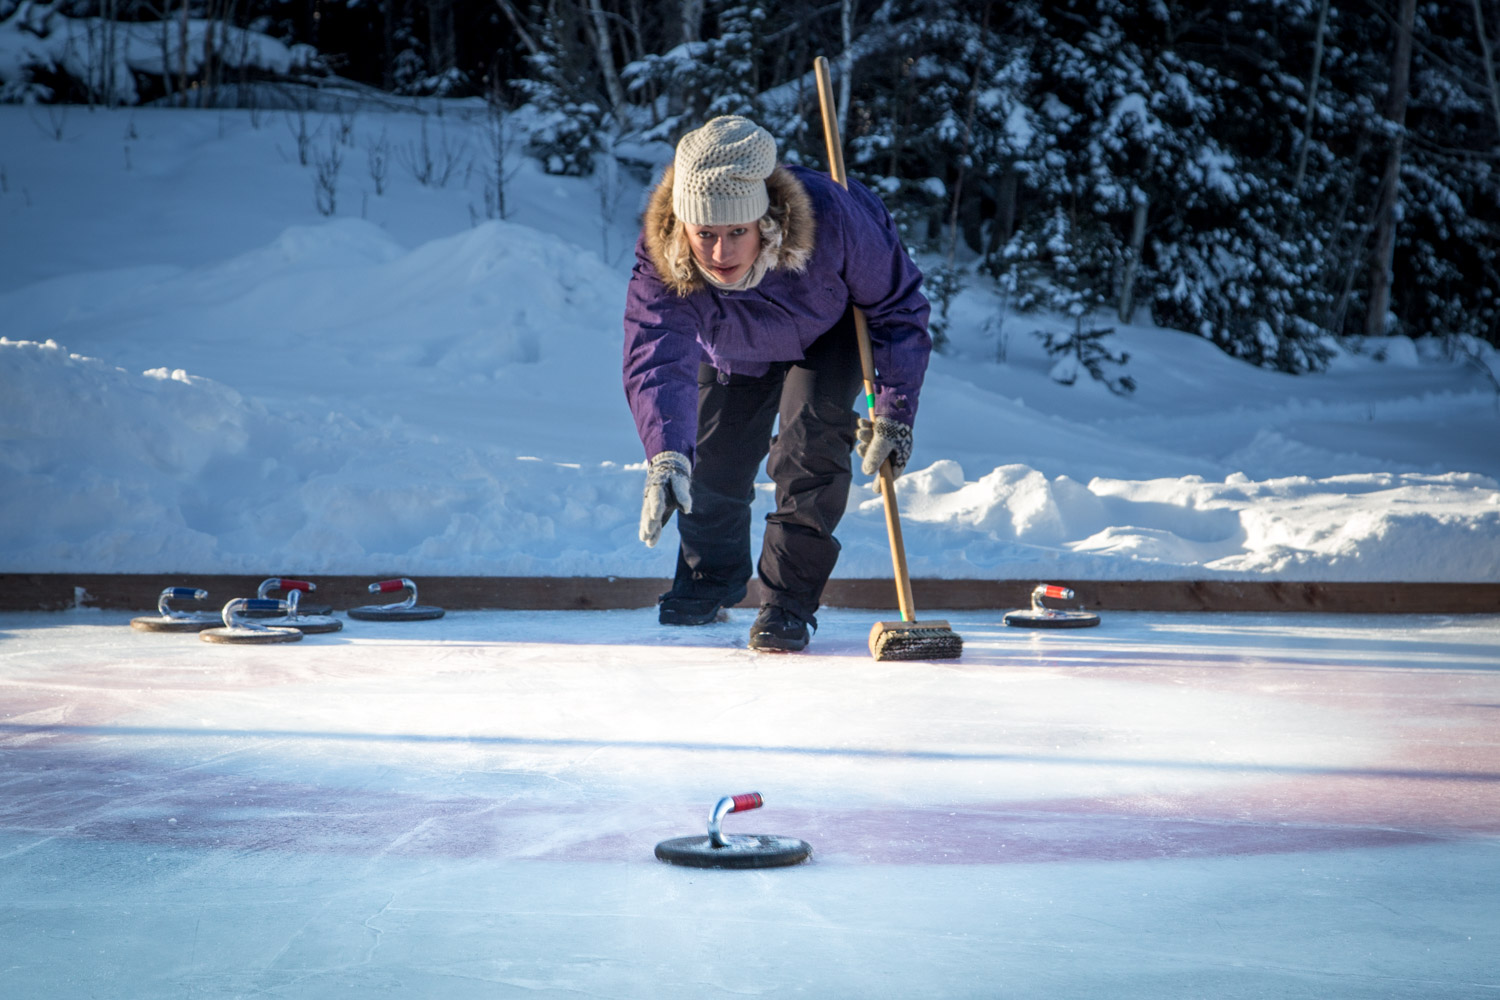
[887, 479]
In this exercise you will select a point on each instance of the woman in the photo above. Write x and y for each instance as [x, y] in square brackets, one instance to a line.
[739, 312]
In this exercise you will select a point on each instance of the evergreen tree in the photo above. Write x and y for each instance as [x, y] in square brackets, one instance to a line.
[571, 112]
[1162, 199]
[698, 80]
[1448, 238]
[1226, 167]
[945, 135]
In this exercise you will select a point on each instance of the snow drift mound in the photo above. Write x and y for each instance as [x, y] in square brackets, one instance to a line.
[1014, 522]
[90, 454]
[107, 471]
[104, 470]
[456, 409]
[368, 384]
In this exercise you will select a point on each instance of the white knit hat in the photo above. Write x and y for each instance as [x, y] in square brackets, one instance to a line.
[719, 175]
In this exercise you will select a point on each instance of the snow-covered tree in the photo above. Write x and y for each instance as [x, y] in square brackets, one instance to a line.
[697, 80]
[572, 114]
[1233, 170]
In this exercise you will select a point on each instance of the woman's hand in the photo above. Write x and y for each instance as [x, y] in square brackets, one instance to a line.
[668, 488]
[882, 439]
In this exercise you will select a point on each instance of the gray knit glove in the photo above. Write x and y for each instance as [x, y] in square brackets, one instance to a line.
[881, 439]
[668, 488]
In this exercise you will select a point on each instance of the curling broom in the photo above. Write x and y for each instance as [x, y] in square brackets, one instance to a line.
[907, 639]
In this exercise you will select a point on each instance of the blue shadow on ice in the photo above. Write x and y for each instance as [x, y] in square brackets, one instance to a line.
[16, 729]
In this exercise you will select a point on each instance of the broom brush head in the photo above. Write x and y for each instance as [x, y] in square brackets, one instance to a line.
[926, 640]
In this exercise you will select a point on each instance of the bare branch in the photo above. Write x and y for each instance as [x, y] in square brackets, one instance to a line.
[1312, 98]
[1489, 63]
[509, 10]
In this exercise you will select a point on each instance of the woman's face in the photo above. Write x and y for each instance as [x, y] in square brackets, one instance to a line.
[726, 252]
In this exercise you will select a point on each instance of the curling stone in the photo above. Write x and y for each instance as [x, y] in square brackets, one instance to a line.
[402, 611]
[294, 618]
[241, 630]
[290, 587]
[755, 850]
[171, 620]
[1041, 616]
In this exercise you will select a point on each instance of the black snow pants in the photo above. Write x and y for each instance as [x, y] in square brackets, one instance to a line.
[809, 463]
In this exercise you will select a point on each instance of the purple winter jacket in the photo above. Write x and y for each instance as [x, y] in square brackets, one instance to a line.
[840, 247]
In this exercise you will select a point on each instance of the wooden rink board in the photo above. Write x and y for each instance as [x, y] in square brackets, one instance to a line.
[139, 591]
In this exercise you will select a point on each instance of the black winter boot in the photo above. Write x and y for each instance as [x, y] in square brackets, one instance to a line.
[779, 629]
[690, 610]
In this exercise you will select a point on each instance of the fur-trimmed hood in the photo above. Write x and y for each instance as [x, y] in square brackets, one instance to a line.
[788, 233]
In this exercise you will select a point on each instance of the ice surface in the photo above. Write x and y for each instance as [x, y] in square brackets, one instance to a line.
[1165, 806]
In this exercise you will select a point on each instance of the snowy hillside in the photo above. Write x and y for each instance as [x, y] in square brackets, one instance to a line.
[201, 372]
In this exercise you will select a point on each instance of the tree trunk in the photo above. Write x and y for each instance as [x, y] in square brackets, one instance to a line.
[231, 15]
[630, 33]
[1312, 99]
[846, 62]
[692, 21]
[604, 54]
[1005, 210]
[970, 113]
[210, 83]
[1390, 187]
[182, 55]
[111, 40]
[440, 32]
[1348, 262]
[1133, 265]
[899, 119]
[1489, 65]
[166, 50]
[388, 39]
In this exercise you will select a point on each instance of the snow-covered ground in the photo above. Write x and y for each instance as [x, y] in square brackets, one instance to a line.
[1304, 807]
[199, 372]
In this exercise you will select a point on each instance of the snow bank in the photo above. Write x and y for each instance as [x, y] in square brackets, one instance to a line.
[320, 397]
[166, 471]
[1014, 521]
[163, 471]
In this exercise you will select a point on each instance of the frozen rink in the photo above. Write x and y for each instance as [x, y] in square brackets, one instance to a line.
[1195, 805]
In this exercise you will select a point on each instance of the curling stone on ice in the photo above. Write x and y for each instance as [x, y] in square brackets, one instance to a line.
[1041, 616]
[294, 618]
[402, 611]
[754, 850]
[239, 629]
[292, 588]
[172, 620]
